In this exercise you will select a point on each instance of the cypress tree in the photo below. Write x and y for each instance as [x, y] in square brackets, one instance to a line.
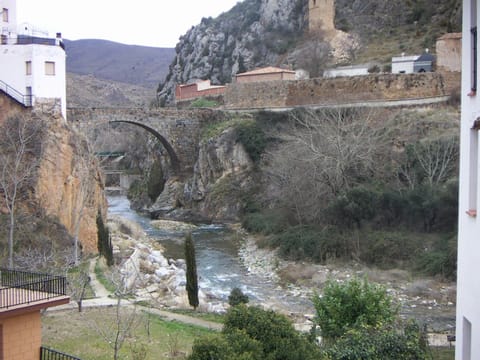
[104, 242]
[192, 280]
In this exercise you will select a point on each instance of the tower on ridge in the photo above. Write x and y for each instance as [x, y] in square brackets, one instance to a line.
[321, 15]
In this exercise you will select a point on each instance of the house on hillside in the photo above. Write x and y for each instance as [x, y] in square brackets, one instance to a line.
[413, 64]
[468, 285]
[202, 88]
[32, 70]
[268, 73]
[23, 295]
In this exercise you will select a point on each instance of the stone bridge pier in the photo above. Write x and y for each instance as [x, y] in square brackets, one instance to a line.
[178, 130]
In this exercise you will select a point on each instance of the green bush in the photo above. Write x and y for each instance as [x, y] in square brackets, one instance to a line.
[276, 334]
[355, 304]
[305, 242]
[252, 137]
[441, 259]
[385, 343]
[271, 222]
[237, 297]
[202, 102]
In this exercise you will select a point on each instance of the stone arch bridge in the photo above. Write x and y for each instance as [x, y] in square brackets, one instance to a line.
[179, 131]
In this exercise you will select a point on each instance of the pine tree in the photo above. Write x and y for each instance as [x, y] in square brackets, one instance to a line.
[192, 280]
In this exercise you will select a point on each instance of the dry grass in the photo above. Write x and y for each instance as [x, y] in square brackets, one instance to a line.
[78, 334]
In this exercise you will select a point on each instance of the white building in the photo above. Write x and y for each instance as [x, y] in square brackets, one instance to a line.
[352, 70]
[32, 67]
[412, 64]
[468, 281]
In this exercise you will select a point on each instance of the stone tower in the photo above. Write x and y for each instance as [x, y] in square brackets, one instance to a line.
[321, 15]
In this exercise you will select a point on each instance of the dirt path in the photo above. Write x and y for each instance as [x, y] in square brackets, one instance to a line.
[104, 298]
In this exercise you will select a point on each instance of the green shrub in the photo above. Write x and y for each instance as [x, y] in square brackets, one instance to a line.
[202, 102]
[385, 343]
[271, 222]
[390, 248]
[252, 137]
[441, 259]
[355, 304]
[276, 334]
[305, 242]
[237, 297]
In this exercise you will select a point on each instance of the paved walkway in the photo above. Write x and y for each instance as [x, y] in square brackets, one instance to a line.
[104, 298]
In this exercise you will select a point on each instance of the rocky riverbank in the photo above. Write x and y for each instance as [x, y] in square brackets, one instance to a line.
[161, 281]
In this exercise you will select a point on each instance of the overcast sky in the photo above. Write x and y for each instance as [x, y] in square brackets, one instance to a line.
[157, 23]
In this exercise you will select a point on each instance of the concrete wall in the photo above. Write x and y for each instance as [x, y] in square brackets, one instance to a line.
[22, 337]
[321, 91]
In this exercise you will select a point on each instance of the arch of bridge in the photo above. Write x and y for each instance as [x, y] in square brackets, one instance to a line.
[178, 130]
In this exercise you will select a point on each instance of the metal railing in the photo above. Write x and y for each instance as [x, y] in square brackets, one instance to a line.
[50, 354]
[21, 287]
[26, 100]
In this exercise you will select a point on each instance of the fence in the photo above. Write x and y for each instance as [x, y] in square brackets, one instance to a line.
[26, 100]
[50, 354]
[21, 287]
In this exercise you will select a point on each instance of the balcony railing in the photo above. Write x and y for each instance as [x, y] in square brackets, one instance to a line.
[50, 354]
[21, 287]
[26, 100]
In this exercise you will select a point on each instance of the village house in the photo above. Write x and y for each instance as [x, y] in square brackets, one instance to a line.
[268, 73]
[468, 285]
[33, 70]
[202, 88]
[23, 295]
[413, 63]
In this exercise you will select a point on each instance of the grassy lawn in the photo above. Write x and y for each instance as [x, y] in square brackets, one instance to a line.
[443, 353]
[80, 334]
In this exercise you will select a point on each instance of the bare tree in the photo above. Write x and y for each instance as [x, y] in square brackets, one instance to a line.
[87, 176]
[437, 158]
[115, 331]
[19, 154]
[314, 54]
[325, 153]
[78, 280]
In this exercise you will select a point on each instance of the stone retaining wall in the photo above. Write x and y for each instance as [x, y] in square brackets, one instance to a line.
[320, 91]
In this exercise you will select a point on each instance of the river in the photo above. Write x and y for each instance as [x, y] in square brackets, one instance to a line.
[219, 267]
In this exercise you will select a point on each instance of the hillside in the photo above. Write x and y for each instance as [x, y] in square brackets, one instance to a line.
[107, 60]
[90, 91]
[257, 33]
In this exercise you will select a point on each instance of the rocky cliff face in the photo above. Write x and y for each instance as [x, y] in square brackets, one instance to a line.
[68, 184]
[253, 33]
[258, 33]
[222, 173]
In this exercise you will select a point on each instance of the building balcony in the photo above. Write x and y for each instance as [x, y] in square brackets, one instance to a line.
[21, 291]
[31, 40]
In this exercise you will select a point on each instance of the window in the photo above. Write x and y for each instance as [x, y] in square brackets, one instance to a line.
[28, 68]
[467, 340]
[473, 179]
[49, 68]
[5, 15]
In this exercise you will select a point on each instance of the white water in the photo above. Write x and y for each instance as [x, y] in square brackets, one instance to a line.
[218, 264]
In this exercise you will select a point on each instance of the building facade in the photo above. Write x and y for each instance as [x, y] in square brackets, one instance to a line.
[269, 73]
[33, 70]
[468, 284]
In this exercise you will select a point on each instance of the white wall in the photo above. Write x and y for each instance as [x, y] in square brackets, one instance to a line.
[468, 283]
[348, 71]
[11, 26]
[403, 64]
